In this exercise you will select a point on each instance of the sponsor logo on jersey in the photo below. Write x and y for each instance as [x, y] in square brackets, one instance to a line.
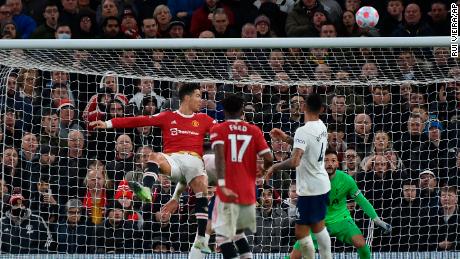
[301, 141]
[195, 123]
[175, 132]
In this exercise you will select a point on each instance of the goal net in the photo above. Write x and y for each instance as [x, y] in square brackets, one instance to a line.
[391, 107]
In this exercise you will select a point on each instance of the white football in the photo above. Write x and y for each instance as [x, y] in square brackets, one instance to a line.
[367, 17]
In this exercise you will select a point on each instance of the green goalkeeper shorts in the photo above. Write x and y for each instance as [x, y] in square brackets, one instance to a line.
[343, 231]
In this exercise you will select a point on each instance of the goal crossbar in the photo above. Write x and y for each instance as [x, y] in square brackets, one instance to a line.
[370, 42]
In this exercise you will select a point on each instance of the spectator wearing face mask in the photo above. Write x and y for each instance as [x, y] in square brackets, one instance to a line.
[22, 231]
[63, 32]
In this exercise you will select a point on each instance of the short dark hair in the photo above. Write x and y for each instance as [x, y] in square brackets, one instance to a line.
[148, 18]
[327, 22]
[233, 104]
[442, 2]
[332, 127]
[409, 182]
[449, 188]
[149, 99]
[314, 103]
[331, 152]
[51, 3]
[106, 21]
[187, 89]
[44, 178]
[381, 87]
[63, 24]
[401, 1]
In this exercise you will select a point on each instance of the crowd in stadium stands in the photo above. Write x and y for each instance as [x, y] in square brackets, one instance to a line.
[134, 19]
[64, 185]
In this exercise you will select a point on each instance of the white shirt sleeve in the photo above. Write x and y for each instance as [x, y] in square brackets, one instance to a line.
[300, 139]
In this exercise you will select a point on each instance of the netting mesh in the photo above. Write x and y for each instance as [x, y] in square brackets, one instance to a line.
[317, 66]
[392, 116]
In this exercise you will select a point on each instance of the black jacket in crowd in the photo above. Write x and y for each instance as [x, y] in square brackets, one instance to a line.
[27, 235]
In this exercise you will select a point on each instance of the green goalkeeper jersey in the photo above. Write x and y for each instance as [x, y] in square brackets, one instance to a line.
[343, 186]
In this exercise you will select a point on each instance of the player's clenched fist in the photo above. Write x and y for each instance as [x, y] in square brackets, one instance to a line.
[98, 125]
[278, 134]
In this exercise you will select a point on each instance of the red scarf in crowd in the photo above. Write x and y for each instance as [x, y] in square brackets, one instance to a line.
[133, 216]
[95, 211]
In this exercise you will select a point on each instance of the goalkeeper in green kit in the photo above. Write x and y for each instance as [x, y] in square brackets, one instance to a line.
[338, 220]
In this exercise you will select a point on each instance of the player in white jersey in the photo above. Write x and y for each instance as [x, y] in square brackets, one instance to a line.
[313, 185]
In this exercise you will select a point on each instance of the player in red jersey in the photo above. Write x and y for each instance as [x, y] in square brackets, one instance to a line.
[236, 144]
[183, 133]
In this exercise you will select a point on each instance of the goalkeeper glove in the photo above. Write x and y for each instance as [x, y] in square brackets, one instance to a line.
[383, 225]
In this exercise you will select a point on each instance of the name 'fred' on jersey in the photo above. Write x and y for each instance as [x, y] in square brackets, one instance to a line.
[242, 143]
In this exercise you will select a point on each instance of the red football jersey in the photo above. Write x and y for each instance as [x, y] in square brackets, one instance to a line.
[242, 143]
[180, 132]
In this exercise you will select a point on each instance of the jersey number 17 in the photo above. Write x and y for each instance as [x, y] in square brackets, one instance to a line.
[237, 155]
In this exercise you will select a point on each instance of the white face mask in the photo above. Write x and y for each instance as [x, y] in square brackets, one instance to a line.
[64, 36]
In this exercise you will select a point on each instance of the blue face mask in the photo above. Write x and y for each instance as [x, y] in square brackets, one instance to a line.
[64, 36]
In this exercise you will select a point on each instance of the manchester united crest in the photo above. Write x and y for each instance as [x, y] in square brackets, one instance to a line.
[195, 123]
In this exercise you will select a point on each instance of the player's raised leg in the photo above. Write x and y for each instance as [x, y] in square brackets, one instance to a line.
[157, 164]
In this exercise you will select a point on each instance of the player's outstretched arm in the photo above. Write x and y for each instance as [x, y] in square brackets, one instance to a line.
[98, 124]
[129, 122]
[371, 213]
[276, 133]
[289, 163]
[365, 205]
